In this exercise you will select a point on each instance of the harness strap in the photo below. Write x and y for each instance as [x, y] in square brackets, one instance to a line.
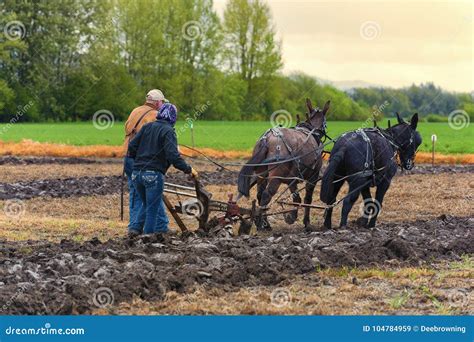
[314, 132]
[372, 172]
[276, 131]
[369, 145]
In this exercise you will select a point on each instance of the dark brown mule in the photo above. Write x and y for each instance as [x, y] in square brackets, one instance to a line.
[300, 145]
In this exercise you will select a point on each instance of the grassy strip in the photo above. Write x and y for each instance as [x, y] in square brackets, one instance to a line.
[221, 135]
[31, 148]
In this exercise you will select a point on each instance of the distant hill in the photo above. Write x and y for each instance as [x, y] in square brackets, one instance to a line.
[349, 84]
[425, 98]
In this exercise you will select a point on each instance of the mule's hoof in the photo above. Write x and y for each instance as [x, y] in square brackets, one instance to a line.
[362, 222]
[290, 218]
[327, 226]
[264, 228]
[245, 227]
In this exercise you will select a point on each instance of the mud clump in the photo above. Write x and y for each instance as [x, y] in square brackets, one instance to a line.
[399, 249]
[38, 277]
[12, 160]
[61, 188]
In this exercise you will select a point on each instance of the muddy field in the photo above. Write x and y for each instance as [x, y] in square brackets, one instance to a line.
[51, 261]
[62, 278]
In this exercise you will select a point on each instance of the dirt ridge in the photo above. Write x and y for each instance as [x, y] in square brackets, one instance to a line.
[105, 185]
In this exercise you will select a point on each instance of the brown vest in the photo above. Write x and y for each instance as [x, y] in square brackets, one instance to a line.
[133, 126]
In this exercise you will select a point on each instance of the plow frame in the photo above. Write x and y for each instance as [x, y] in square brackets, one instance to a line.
[229, 211]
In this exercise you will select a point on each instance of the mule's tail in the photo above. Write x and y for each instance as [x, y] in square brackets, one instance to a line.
[327, 186]
[245, 175]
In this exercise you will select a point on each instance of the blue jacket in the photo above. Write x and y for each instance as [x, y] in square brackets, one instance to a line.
[155, 148]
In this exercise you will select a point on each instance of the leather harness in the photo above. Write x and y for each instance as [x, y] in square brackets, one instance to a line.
[369, 164]
[302, 127]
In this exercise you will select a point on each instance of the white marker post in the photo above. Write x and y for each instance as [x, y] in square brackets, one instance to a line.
[433, 141]
[192, 133]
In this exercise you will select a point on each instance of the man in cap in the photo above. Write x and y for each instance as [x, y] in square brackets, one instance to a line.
[155, 149]
[136, 120]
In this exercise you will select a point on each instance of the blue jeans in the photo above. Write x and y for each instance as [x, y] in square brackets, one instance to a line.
[137, 212]
[149, 185]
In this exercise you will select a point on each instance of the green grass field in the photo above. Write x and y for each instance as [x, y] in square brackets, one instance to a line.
[221, 135]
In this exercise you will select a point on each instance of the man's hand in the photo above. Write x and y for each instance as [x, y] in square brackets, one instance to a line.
[194, 173]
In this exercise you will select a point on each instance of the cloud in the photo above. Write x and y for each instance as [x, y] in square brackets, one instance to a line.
[421, 41]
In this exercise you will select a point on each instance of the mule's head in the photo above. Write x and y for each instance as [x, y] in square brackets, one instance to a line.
[407, 139]
[317, 117]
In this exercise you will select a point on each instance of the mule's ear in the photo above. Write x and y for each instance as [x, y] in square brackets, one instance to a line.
[414, 121]
[389, 125]
[309, 105]
[399, 118]
[326, 107]
[297, 119]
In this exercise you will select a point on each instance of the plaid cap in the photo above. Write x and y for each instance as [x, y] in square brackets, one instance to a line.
[168, 112]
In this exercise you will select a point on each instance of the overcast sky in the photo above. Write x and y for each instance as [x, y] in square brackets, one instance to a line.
[391, 43]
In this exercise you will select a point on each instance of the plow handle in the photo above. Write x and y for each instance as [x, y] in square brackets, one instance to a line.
[175, 215]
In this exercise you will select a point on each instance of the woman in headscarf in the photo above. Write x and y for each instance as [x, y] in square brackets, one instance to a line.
[155, 149]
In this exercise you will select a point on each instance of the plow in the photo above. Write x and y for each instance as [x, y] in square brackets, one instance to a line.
[210, 212]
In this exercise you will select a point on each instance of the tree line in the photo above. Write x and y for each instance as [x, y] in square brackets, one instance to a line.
[65, 60]
[428, 100]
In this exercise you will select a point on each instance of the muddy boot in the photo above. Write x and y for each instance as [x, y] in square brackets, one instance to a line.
[133, 234]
